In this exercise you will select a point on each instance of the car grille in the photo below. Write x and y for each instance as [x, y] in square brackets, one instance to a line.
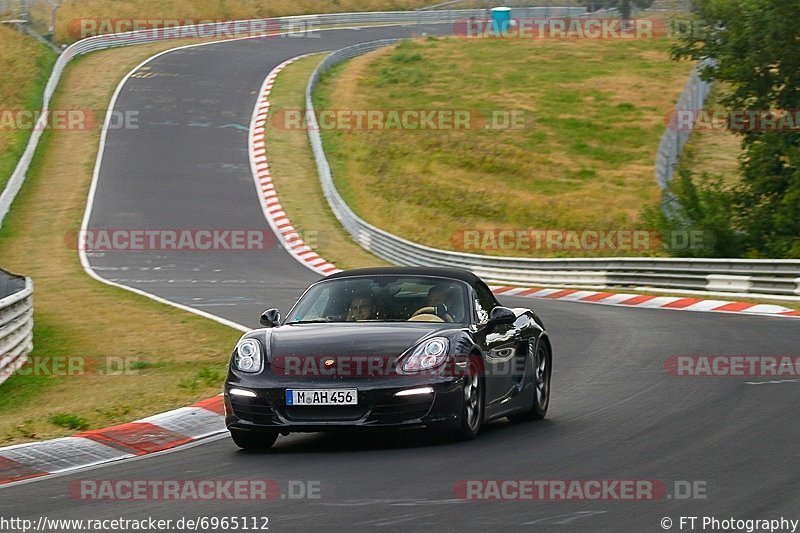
[321, 413]
[256, 410]
[400, 411]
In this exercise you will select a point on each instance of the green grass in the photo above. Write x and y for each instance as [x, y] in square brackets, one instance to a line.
[69, 421]
[25, 66]
[593, 113]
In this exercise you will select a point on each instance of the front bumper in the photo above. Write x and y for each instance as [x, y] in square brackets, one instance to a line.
[378, 406]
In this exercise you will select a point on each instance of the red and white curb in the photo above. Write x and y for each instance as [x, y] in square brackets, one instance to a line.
[259, 164]
[146, 436]
[649, 302]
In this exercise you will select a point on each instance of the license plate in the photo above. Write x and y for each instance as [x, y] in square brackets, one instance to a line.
[322, 397]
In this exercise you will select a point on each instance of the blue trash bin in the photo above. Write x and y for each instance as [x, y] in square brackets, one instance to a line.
[501, 20]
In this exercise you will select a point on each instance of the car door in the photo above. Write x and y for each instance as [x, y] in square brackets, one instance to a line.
[504, 361]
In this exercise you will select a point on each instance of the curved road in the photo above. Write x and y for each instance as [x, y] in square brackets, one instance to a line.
[615, 413]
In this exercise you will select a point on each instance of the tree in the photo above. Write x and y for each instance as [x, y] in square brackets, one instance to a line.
[755, 45]
[706, 205]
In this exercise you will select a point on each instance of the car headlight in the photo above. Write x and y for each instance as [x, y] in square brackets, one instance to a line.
[427, 355]
[248, 357]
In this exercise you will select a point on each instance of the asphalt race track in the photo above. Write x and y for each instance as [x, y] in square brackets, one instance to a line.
[615, 413]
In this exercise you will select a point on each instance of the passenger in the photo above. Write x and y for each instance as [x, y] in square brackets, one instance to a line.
[362, 308]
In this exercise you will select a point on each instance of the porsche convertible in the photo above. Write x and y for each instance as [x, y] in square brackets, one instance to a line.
[388, 348]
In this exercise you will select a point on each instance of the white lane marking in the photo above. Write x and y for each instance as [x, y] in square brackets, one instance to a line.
[774, 382]
[395, 503]
[564, 518]
[90, 205]
[389, 521]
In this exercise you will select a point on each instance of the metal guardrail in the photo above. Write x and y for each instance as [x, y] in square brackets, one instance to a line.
[671, 6]
[675, 137]
[773, 277]
[16, 322]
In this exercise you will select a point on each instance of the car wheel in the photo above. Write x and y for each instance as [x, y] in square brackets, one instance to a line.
[472, 408]
[542, 362]
[254, 440]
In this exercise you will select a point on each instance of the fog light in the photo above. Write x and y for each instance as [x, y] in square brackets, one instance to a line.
[242, 392]
[414, 392]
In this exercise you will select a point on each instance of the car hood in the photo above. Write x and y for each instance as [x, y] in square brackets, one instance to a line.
[310, 344]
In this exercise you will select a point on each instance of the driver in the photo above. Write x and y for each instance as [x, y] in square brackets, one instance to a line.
[436, 303]
[437, 295]
[362, 308]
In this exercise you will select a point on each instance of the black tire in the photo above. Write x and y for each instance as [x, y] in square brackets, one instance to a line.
[254, 440]
[472, 410]
[542, 367]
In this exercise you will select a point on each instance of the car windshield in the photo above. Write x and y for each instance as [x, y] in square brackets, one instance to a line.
[384, 299]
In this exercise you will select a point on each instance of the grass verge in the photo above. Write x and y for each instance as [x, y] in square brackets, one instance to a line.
[130, 356]
[25, 65]
[593, 115]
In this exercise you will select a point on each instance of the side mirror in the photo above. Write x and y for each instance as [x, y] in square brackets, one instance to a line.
[271, 318]
[501, 315]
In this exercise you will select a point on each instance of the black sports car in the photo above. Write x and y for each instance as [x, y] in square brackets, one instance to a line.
[388, 348]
